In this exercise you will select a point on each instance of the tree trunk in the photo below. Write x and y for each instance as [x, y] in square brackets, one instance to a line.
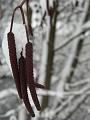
[50, 58]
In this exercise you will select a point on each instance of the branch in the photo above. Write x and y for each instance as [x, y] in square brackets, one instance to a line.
[71, 64]
[50, 56]
[83, 90]
[85, 27]
[85, 14]
[66, 112]
[85, 81]
[84, 60]
[80, 28]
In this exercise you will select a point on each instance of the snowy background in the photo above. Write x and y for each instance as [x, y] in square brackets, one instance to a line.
[69, 93]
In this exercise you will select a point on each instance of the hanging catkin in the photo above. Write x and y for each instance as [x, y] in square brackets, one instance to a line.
[13, 61]
[37, 85]
[30, 77]
[23, 80]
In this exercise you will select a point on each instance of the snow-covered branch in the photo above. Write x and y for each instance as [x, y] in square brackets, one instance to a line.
[68, 71]
[85, 27]
[82, 27]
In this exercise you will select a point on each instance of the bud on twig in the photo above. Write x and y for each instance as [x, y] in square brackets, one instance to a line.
[50, 9]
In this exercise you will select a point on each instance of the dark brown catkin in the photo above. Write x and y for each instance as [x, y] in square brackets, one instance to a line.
[13, 61]
[37, 85]
[23, 80]
[30, 77]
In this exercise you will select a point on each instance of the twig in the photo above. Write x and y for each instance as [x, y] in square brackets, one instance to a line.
[85, 81]
[85, 27]
[18, 7]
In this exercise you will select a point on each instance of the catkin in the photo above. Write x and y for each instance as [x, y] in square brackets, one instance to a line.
[13, 61]
[37, 85]
[30, 77]
[30, 30]
[23, 78]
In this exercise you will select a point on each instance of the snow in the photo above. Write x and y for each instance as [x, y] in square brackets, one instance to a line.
[20, 40]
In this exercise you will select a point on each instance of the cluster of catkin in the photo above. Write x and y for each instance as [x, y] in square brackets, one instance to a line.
[23, 72]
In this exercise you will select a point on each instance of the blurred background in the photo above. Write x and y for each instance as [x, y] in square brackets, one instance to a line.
[61, 64]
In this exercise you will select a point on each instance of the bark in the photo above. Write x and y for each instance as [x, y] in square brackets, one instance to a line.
[50, 58]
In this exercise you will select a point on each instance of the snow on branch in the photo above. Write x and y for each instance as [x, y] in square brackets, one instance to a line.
[82, 27]
[68, 71]
[85, 27]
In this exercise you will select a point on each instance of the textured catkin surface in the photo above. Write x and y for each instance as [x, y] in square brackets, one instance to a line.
[23, 81]
[13, 61]
[82, 112]
[12, 101]
[30, 77]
